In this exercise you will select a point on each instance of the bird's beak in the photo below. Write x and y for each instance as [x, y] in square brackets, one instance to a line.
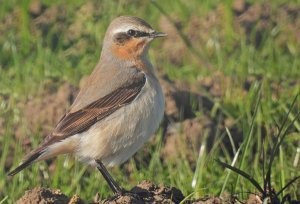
[156, 34]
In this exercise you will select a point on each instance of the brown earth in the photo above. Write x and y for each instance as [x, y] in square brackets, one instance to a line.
[47, 196]
[145, 192]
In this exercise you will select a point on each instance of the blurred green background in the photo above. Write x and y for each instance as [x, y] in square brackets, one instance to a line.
[223, 52]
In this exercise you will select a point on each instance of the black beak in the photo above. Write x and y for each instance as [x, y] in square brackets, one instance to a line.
[156, 34]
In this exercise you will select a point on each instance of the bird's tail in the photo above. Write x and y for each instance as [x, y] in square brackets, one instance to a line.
[47, 150]
[30, 159]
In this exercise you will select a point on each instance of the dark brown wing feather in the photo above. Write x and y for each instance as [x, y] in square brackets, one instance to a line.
[76, 122]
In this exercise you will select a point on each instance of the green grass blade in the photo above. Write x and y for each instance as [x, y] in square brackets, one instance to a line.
[229, 172]
[3, 200]
[187, 198]
[287, 185]
[243, 174]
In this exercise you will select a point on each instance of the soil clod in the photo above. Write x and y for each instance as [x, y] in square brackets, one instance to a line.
[147, 192]
[47, 196]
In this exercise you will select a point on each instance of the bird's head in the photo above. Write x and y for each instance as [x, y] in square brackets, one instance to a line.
[129, 37]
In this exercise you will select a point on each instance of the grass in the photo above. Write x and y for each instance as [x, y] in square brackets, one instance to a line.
[267, 191]
[29, 61]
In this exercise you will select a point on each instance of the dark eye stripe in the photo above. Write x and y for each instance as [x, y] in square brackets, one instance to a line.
[141, 34]
[136, 33]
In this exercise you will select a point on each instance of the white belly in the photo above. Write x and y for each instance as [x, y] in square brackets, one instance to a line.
[120, 135]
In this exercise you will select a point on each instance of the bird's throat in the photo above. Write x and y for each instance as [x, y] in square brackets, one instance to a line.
[130, 50]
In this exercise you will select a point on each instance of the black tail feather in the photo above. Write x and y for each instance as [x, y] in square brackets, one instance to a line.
[26, 163]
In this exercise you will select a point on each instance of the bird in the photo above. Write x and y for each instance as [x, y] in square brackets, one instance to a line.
[117, 110]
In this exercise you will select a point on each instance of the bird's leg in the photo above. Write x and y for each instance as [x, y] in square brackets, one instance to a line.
[111, 182]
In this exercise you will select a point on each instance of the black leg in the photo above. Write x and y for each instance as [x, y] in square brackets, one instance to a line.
[111, 182]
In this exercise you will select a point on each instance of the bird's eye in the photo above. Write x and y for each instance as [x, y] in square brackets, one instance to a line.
[131, 32]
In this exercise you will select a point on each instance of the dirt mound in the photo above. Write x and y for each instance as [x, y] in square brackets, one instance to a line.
[147, 192]
[47, 196]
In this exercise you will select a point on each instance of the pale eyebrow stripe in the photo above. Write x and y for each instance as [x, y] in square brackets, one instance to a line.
[124, 29]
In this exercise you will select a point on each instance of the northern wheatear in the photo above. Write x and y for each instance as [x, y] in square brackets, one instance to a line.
[117, 110]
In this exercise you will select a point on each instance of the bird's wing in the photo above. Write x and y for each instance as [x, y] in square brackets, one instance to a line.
[76, 122]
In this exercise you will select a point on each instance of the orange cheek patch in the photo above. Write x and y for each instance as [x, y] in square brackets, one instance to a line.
[130, 49]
